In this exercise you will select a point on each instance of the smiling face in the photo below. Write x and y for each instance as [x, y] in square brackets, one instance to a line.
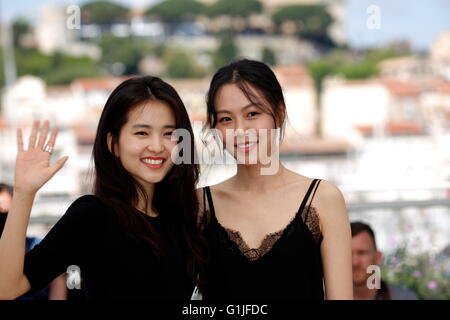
[145, 145]
[240, 121]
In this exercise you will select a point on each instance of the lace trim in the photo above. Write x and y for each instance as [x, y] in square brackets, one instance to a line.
[313, 223]
[270, 239]
[254, 253]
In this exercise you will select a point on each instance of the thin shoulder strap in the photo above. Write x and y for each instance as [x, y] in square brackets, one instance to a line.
[204, 200]
[309, 206]
[210, 202]
[305, 198]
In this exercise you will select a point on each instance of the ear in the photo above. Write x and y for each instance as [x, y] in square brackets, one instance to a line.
[109, 139]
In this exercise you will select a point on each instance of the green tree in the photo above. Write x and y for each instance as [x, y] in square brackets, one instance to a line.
[174, 11]
[31, 61]
[319, 70]
[227, 50]
[181, 64]
[103, 12]
[234, 8]
[268, 56]
[312, 22]
[127, 52]
[20, 27]
[361, 70]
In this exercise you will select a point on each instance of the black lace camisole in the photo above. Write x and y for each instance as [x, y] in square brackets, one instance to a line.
[286, 266]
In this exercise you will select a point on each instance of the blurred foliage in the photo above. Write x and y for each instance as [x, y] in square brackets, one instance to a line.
[126, 52]
[103, 12]
[31, 61]
[311, 21]
[20, 26]
[426, 274]
[181, 64]
[54, 69]
[67, 68]
[268, 56]
[172, 11]
[227, 51]
[344, 63]
[235, 8]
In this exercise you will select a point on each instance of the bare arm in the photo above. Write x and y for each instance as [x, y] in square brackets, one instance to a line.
[13, 283]
[58, 288]
[336, 245]
[32, 172]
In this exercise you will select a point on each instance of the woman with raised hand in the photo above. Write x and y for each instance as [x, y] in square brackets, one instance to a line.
[136, 236]
[273, 234]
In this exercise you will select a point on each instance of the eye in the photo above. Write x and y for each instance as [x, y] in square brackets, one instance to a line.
[224, 119]
[140, 133]
[252, 114]
[169, 134]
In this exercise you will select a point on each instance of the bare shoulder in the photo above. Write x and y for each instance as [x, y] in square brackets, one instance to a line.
[328, 193]
[330, 204]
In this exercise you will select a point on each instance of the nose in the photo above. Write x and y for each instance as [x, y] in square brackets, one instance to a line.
[156, 145]
[243, 129]
[241, 125]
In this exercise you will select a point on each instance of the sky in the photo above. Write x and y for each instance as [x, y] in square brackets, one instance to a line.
[418, 21]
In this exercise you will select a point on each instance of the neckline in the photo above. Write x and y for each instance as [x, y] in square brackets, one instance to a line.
[266, 238]
[279, 235]
[238, 234]
[150, 217]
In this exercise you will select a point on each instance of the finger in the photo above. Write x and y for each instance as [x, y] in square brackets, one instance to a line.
[19, 140]
[52, 140]
[43, 135]
[34, 130]
[58, 165]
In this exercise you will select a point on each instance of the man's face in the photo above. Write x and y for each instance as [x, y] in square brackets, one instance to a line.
[363, 255]
[5, 201]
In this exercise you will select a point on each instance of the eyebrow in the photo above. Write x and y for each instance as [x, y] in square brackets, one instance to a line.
[251, 104]
[147, 126]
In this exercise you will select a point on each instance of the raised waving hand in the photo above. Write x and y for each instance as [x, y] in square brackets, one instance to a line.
[33, 168]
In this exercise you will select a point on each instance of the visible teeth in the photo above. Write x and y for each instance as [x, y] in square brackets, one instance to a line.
[150, 161]
[242, 146]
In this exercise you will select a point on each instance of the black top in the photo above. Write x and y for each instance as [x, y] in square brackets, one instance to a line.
[289, 268]
[113, 263]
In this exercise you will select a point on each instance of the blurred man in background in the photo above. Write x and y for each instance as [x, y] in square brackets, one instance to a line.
[365, 254]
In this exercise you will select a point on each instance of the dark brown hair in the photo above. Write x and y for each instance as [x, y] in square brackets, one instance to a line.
[174, 197]
[6, 188]
[245, 73]
[358, 227]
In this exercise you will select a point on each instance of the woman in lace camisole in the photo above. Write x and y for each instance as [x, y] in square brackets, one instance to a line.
[272, 233]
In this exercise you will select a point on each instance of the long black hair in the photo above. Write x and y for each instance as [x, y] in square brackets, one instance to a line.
[245, 73]
[174, 197]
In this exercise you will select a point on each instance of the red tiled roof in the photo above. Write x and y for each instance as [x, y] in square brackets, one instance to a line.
[393, 128]
[402, 89]
[364, 129]
[403, 127]
[442, 86]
